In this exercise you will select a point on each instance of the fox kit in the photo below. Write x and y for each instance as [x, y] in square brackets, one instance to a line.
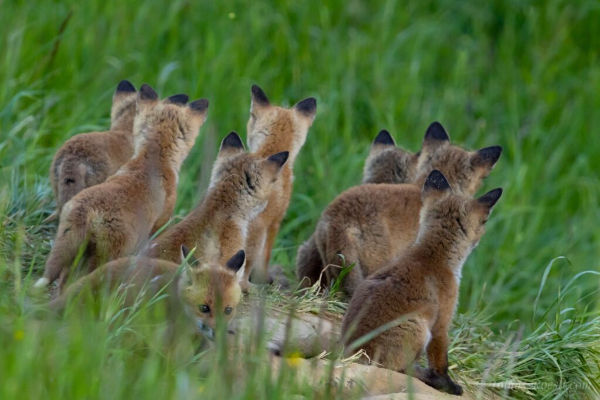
[206, 291]
[115, 218]
[386, 163]
[88, 159]
[418, 292]
[372, 223]
[240, 187]
[273, 129]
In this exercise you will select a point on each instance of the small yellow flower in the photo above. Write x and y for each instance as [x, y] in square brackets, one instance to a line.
[294, 359]
[231, 15]
[200, 389]
[19, 335]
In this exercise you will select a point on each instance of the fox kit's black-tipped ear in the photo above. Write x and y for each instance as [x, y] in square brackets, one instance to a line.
[259, 97]
[146, 93]
[490, 198]
[488, 156]
[236, 262]
[200, 105]
[436, 181]
[232, 141]
[179, 99]
[125, 87]
[184, 251]
[280, 158]
[384, 138]
[307, 107]
[436, 133]
[186, 257]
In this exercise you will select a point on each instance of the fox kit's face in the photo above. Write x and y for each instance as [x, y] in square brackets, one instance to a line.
[457, 214]
[464, 169]
[172, 122]
[211, 293]
[288, 126]
[253, 175]
[387, 163]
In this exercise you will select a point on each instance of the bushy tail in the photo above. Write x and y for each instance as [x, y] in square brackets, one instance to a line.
[308, 263]
[71, 180]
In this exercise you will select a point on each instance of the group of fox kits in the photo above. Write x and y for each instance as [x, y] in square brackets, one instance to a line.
[116, 190]
[403, 236]
[397, 242]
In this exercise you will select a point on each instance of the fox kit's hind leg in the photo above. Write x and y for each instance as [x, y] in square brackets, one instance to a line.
[308, 263]
[67, 245]
[340, 251]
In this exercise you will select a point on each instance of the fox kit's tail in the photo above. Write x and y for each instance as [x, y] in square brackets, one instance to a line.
[70, 239]
[308, 263]
[71, 180]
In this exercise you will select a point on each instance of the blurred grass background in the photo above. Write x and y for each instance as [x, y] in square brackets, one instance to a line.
[522, 74]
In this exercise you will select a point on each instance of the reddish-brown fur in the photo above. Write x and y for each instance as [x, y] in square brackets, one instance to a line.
[273, 129]
[88, 159]
[200, 284]
[373, 223]
[418, 291]
[115, 218]
[240, 188]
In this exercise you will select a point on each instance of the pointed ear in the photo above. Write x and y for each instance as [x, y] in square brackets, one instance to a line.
[279, 159]
[486, 157]
[146, 97]
[435, 136]
[125, 87]
[489, 199]
[273, 164]
[231, 144]
[435, 183]
[307, 107]
[146, 93]
[187, 256]
[259, 99]
[383, 138]
[237, 263]
[199, 106]
[179, 99]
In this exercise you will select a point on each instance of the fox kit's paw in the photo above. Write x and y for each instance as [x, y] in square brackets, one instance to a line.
[439, 381]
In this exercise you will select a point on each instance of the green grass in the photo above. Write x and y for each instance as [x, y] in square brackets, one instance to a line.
[522, 74]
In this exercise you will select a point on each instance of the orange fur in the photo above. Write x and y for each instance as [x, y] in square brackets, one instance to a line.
[87, 159]
[240, 188]
[115, 218]
[370, 224]
[273, 129]
[417, 292]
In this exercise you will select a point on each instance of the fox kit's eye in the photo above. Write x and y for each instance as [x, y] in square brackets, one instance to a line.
[204, 308]
[228, 310]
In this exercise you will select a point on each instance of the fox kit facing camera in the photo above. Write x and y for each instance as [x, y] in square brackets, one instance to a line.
[371, 224]
[87, 159]
[206, 291]
[240, 187]
[418, 291]
[273, 129]
[116, 217]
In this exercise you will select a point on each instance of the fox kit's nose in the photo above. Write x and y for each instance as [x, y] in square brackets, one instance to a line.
[205, 330]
